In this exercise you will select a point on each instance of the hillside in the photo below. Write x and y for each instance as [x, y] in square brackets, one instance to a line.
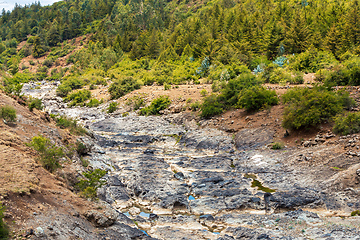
[214, 119]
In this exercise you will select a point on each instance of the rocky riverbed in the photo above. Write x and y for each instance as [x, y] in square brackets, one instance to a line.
[170, 177]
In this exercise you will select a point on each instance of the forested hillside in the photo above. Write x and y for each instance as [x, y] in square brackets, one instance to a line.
[132, 43]
[211, 28]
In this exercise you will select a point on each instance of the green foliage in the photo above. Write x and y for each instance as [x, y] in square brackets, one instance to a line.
[94, 103]
[157, 105]
[257, 97]
[229, 96]
[230, 92]
[203, 93]
[123, 86]
[48, 62]
[68, 85]
[195, 106]
[38, 48]
[355, 213]
[80, 148]
[280, 75]
[346, 74]
[136, 102]
[347, 124]
[297, 79]
[211, 107]
[35, 103]
[8, 113]
[277, 145]
[309, 107]
[4, 230]
[167, 86]
[78, 97]
[14, 84]
[91, 183]
[113, 106]
[178, 42]
[58, 52]
[71, 124]
[84, 162]
[312, 60]
[50, 154]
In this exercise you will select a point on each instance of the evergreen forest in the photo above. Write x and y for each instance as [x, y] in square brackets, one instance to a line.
[235, 45]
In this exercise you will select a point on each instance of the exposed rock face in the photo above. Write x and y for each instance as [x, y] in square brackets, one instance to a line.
[102, 218]
[253, 138]
[175, 180]
[168, 169]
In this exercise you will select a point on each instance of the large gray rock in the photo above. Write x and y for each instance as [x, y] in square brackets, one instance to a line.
[253, 138]
[102, 218]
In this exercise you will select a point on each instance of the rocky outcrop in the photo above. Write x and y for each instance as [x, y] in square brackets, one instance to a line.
[253, 138]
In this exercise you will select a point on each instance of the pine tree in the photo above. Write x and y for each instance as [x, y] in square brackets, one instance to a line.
[117, 45]
[333, 40]
[38, 50]
[297, 37]
[273, 39]
[153, 46]
[53, 35]
[353, 22]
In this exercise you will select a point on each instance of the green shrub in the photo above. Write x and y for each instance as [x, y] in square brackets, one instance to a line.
[277, 145]
[355, 213]
[136, 102]
[91, 183]
[68, 85]
[71, 124]
[229, 96]
[112, 107]
[297, 79]
[14, 85]
[312, 60]
[280, 75]
[348, 124]
[309, 107]
[94, 103]
[78, 97]
[80, 148]
[195, 106]
[341, 75]
[338, 76]
[123, 86]
[257, 97]
[84, 162]
[4, 230]
[167, 86]
[203, 93]
[230, 93]
[211, 107]
[50, 155]
[35, 103]
[48, 62]
[156, 106]
[8, 113]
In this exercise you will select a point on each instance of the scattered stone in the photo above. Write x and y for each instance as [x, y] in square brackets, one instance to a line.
[179, 176]
[207, 217]
[153, 217]
[149, 151]
[134, 211]
[102, 219]
[39, 232]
